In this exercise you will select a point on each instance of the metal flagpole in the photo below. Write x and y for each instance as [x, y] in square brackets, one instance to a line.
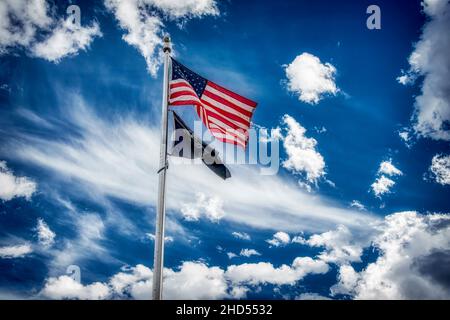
[158, 261]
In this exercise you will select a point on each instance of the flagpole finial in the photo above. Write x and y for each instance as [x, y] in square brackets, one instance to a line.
[167, 46]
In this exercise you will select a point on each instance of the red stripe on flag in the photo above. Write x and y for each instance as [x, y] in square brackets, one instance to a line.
[233, 95]
[184, 103]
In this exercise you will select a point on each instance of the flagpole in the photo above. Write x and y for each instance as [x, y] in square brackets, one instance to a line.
[158, 262]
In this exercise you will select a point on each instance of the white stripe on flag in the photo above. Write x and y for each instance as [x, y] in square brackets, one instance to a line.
[179, 81]
[224, 107]
[184, 88]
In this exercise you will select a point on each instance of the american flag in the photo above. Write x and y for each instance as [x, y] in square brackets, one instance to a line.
[226, 114]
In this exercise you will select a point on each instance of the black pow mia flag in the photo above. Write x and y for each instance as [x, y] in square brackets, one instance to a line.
[187, 145]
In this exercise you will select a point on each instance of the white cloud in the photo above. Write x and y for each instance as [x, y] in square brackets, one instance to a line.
[195, 280]
[231, 255]
[414, 253]
[66, 39]
[12, 186]
[265, 273]
[211, 208]
[151, 236]
[17, 251]
[192, 280]
[239, 292]
[110, 159]
[135, 282]
[358, 205]
[144, 27]
[241, 235]
[279, 239]
[406, 78]
[431, 60]
[440, 168]
[46, 236]
[20, 20]
[303, 158]
[31, 25]
[249, 252]
[406, 136]
[347, 281]
[387, 168]
[382, 185]
[411, 265]
[413, 250]
[186, 9]
[310, 79]
[341, 246]
[299, 240]
[311, 296]
[64, 287]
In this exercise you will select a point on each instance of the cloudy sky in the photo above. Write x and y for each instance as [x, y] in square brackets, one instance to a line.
[358, 210]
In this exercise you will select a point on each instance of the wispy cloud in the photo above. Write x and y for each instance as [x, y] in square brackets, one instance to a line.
[249, 252]
[15, 251]
[46, 236]
[119, 159]
[358, 205]
[88, 243]
[241, 235]
[167, 239]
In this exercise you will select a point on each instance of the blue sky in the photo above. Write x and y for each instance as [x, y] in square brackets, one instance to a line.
[79, 146]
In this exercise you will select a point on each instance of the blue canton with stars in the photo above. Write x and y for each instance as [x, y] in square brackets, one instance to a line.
[181, 72]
